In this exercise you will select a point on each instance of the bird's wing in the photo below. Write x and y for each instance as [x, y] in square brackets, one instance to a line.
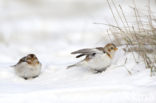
[83, 51]
[20, 61]
[87, 52]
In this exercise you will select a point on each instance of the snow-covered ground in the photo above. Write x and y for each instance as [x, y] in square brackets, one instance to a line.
[52, 38]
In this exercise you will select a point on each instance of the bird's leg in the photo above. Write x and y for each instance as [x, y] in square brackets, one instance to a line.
[98, 71]
[25, 78]
[35, 76]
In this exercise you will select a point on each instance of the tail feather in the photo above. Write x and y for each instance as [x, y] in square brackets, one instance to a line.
[70, 66]
[76, 64]
[78, 56]
[13, 66]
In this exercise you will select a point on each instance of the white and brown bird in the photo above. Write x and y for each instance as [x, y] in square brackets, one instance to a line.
[97, 59]
[28, 67]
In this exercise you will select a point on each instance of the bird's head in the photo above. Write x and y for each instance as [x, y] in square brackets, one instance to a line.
[110, 49]
[32, 59]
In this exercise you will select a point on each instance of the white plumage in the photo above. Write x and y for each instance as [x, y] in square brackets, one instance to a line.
[28, 71]
[97, 59]
[28, 67]
[99, 62]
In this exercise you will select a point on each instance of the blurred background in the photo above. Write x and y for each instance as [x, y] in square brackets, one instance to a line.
[52, 29]
[55, 26]
[69, 20]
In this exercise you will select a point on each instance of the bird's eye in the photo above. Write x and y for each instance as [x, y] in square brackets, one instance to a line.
[93, 54]
[112, 48]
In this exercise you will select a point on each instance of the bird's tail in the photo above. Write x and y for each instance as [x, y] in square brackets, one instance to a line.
[76, 64]
[70, 66]
[13, 66]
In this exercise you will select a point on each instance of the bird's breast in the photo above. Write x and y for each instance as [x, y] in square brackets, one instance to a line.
[99, 61]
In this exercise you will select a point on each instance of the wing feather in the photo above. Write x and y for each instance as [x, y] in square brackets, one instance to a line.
[87, 52]
[84, 51]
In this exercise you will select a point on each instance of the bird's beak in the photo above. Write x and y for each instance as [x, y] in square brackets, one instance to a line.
[116, 49]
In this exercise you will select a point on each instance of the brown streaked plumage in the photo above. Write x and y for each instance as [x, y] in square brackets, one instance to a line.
[96, 58]
[28, 67]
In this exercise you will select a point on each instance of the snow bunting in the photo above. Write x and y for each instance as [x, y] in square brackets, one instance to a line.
[28, 67]
[97, 59]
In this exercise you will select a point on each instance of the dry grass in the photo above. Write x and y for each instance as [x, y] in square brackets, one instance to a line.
[139, 37]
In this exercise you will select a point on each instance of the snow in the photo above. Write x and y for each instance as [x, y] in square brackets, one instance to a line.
[52, 40]
[60, 85]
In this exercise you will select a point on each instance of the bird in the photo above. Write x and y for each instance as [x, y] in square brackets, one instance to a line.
[96, 59]
[28, 67]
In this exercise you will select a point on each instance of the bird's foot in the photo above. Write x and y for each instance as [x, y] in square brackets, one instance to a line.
[98, 71]
[35, 76]
[25, 78]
